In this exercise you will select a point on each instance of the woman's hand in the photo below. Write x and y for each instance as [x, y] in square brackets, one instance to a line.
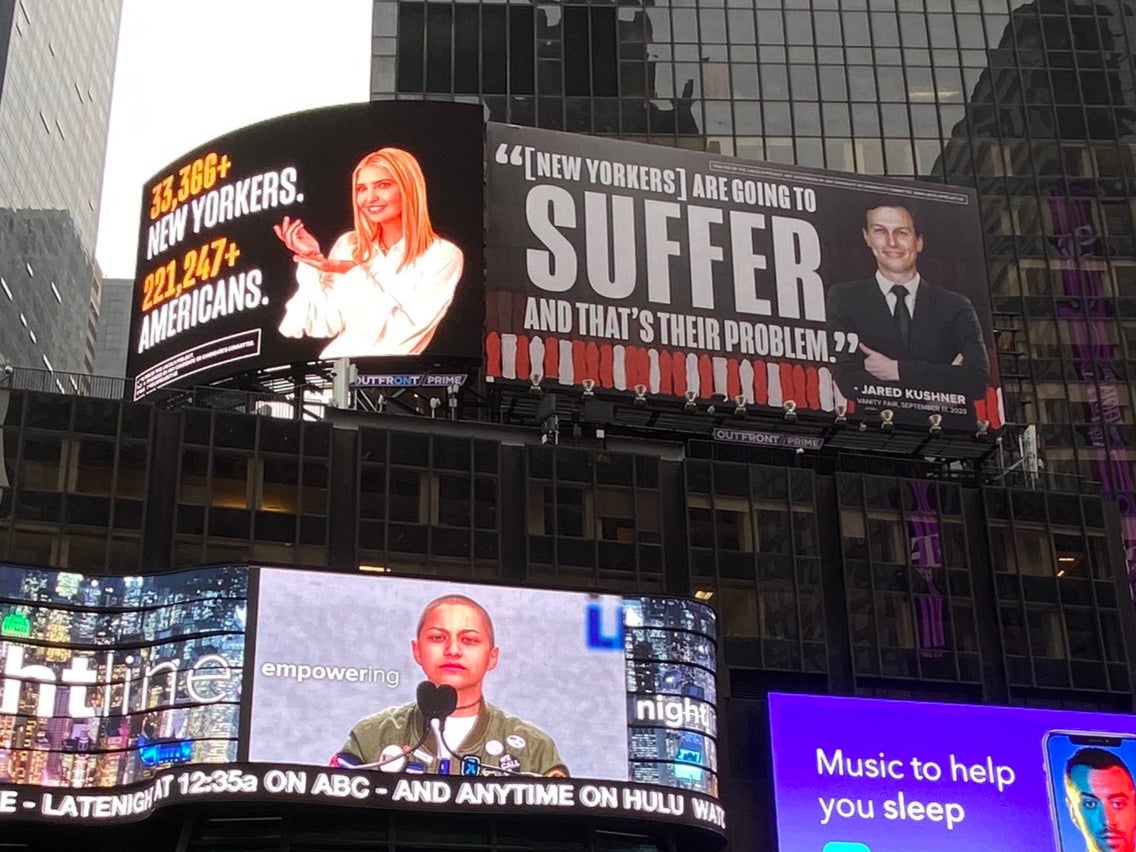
[306, 249]
[297, 238]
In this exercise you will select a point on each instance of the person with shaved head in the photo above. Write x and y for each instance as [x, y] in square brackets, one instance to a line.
[456, 646]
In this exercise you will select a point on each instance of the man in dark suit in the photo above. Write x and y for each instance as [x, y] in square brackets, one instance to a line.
[912, 340]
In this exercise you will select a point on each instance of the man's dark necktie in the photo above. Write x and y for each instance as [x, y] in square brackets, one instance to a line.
[902, 315]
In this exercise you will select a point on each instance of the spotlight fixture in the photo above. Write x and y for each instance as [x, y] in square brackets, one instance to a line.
[740, 405]
[982, 429]
[452, 395]
[434, 404]
[887, 418]
[935, 423]
[841, 414]
[790, 408]
[381, 403]
[534, 381]
[691, 398]
[640, 394]
[589, 386]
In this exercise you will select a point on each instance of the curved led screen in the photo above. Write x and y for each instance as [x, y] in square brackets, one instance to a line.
[105, 676]
[122, 694]
[351, 231]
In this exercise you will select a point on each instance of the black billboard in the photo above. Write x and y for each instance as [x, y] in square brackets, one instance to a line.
[122, 694]
[351, 231]
[683, 272]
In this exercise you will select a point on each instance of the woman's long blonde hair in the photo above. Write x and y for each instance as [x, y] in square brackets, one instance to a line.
[417, 232]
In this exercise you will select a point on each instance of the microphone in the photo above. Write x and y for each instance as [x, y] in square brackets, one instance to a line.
[436, 702]
[447, 700]
[426, 696]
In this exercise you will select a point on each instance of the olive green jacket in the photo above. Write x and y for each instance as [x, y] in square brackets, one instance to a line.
[504, 744]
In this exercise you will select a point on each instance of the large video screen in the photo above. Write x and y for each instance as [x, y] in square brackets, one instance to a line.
[550, 683]
[122, 694]
[107, 678]
[632, 264]
[852, 775]
[347, 232]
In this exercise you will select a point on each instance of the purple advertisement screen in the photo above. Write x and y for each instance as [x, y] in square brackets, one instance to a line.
[865, 775]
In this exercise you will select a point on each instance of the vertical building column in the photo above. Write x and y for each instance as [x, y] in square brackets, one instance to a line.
[994, 687]
[512, 515]
[342, 501]
[161, 497]
[676, 543]
[841, 680]
[1119, 564]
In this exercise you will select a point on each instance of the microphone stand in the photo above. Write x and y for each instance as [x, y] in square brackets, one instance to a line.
[443, 751]
[436, 703]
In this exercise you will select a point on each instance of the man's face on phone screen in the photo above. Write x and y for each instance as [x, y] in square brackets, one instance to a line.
[1102, 803]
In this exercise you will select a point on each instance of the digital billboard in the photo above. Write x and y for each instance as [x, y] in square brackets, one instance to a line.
[106, 678]
[632, 264]
[346, 232]
[119, 695]
[866, 775]
[575, 685]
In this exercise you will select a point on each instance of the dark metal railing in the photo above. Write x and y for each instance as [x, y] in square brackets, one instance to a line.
[199, 396]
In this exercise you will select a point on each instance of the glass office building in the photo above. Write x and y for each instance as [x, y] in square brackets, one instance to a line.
[866, 575]
[1032, 103]
[56, 70]
[116, 297]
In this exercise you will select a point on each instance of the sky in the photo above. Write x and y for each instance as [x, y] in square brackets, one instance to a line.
[190, 70]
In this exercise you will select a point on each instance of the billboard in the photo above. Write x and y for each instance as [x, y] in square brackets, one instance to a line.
[895, 775]
[634, 264]
[351, 231]
[560, 703]
[106, 678]
[119, 695]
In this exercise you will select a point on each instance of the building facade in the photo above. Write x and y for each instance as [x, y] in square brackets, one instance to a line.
[55, 83]
[830, 573]
[111, 339]
[838, 571]
[1032, 103]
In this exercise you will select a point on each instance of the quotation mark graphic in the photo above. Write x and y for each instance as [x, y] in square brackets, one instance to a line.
[503, 157]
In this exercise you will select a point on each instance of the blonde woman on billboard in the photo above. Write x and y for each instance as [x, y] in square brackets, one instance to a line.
[383, 287]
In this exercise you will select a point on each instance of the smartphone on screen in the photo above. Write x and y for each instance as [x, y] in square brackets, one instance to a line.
[1092, 790]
